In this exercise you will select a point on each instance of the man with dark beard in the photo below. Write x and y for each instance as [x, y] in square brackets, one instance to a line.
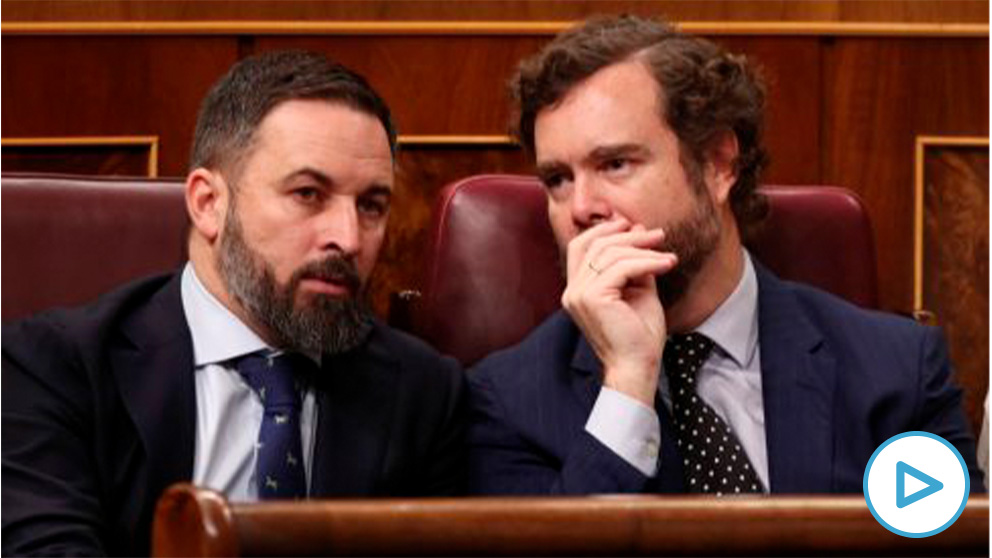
[257, 370]
[678, 363]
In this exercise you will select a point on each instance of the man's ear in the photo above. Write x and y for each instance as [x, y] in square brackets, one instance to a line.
[720, 171]
[207, 196]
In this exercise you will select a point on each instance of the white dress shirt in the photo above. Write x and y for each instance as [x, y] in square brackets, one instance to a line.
[228, 412]
[729, 382]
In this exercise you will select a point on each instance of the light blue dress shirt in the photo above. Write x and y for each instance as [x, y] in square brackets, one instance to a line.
[228, 412]
[729, 382]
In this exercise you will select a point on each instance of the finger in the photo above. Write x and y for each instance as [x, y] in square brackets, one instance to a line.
[634, 272]
[634, 269]
[643, 238]
[589, 279]
[608, 256]
[614, 254]
[578, 246]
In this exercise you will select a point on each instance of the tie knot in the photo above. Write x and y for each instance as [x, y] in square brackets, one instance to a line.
[685, 354]
[274, 377]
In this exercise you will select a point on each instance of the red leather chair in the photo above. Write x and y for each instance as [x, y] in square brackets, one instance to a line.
[67, 239]
[493, 270]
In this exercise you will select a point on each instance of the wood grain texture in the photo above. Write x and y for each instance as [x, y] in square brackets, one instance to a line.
[190, 521]
[108, 86]
[877, 97]
[434, 85]
[489, 27]
[792, 68]
[955, 261]
[947, 11]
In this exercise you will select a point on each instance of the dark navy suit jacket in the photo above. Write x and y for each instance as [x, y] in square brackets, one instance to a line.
[837, 381]
[99, 417]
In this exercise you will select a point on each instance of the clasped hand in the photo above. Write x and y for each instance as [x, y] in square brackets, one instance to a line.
[613, 297]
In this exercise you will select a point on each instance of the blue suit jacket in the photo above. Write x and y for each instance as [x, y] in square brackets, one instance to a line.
[837, 381]
[99, 417]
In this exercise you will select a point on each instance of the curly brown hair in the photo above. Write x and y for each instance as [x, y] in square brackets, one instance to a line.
[705, 91]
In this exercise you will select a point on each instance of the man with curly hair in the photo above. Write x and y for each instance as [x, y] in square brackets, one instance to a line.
[678, 363]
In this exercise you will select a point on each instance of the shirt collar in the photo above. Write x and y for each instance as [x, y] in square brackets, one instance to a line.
[734, 324]
[218, 335]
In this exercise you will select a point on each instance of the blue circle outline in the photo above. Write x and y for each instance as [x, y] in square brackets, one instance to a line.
[964, 501]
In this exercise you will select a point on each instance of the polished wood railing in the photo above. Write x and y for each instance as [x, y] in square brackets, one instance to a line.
[197, 522]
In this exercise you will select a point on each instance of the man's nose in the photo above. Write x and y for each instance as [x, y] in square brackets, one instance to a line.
[340, 229]
[589, 206]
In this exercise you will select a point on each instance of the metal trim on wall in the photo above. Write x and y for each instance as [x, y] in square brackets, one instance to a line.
[526, 28]
[449, 140]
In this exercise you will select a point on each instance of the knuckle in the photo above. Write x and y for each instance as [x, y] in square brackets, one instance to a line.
[598, 244]
[613, 251]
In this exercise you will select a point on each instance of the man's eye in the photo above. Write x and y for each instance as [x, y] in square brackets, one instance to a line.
[552, 181]
[616, 164]
[373, 208]
[307, 195]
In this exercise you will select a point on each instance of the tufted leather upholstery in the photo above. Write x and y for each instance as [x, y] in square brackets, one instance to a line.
[67, 239]
[493, 272]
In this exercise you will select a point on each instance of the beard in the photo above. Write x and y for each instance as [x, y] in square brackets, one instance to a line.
[693, 240]
[328, 324]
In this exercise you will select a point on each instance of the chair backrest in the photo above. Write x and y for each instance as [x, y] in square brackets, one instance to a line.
[67, 239]
[493, 270]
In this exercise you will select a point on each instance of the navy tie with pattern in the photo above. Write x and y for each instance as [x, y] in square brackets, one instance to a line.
[279, 471]
[713, 459]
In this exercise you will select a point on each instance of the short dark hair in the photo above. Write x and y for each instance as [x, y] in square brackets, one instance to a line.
[704, 91]
[235, 106]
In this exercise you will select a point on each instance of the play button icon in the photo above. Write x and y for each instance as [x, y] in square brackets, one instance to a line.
[930, 485]
[893, 487]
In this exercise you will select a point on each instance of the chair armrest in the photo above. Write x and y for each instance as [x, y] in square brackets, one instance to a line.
[605, 526]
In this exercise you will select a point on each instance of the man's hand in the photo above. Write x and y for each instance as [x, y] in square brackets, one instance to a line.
[612, 296]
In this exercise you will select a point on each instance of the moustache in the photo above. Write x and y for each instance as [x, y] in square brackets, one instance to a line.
[333, 269]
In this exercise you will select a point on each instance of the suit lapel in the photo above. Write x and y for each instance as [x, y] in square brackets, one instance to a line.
[355, 395]
[798, 376]
[154, 369]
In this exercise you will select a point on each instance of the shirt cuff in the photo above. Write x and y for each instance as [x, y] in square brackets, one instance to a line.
[628, 427]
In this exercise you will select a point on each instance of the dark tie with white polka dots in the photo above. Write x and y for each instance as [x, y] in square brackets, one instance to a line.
[279, 469]
[713, 459]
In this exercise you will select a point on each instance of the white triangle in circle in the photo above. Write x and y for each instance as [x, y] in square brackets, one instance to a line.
[914, 485]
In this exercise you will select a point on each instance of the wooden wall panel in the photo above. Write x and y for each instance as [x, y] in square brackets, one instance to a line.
[914, 11]
[434, 85]
[955, 264]
[792, 68]
[460, 95]
[936, 11]
[878, 96]
[111, 86]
